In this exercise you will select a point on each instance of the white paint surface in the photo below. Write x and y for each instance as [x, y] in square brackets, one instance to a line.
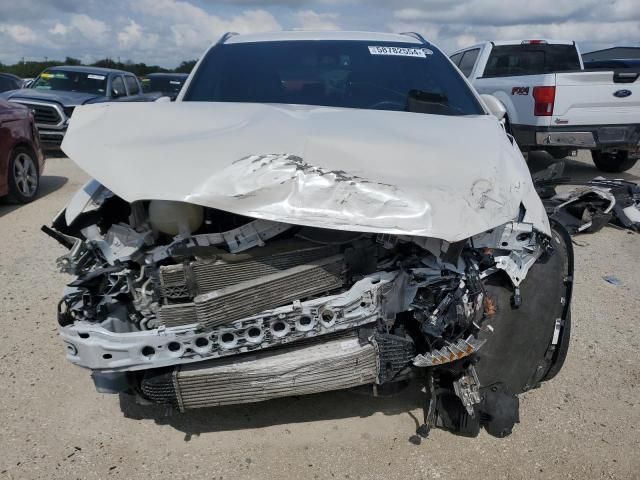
[362, 170]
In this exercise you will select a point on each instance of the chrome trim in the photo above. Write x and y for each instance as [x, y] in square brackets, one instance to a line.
[570, 139]
[56, 107]
[54, 133]
[51, 138]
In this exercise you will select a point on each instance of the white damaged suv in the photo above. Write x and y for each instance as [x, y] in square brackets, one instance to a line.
[316, 211]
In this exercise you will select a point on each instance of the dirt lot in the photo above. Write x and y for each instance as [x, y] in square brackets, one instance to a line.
[583, 424]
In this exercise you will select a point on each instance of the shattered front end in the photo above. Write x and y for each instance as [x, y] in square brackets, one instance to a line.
[193, 307]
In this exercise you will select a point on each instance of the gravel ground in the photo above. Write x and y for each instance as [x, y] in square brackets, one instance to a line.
[583, 424]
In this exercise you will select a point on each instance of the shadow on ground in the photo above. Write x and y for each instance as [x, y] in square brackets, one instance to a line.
[282, 411]
[48, 185]
[574, 169]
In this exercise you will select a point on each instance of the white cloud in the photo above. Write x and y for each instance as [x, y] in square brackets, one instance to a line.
[589, 34]
[174, 10]
[251, 21]
[465, 40]
[130, 35]
[192, 27]
[169, 31]
[588, 31]
[310, 20]
[20, 34]
[90, 28]
[494, 12]
[184, 35]
[59, 29]
[593, 23]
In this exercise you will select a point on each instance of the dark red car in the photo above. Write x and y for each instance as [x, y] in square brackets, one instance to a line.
[21, 159]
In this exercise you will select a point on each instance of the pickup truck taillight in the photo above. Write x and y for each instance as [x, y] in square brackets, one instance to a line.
[543, 98]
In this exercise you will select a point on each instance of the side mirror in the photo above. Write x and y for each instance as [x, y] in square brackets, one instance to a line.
[163, 99]
[494, 106]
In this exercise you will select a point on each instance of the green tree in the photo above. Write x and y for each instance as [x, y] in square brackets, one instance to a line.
[72, 61]
[185, 66]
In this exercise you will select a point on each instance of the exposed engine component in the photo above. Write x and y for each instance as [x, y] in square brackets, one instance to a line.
[332, 365]
[467, 388]
[190, 279]
[173, 218]
[194, 307]
[449, 353]
[250, 297]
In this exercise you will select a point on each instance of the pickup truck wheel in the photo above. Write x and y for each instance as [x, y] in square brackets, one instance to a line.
[24, 178]
[613, 162]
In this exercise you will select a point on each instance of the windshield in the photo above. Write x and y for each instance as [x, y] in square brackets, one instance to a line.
[71, 82]
[531, 59]
[352, 74]
[169, 85]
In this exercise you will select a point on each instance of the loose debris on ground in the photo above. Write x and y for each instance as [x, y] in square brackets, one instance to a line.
[591, 205]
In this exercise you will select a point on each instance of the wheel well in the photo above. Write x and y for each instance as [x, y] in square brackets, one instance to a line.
[507, 124]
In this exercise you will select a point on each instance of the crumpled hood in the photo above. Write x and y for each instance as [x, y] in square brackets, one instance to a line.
[66, 99]
[362, 170]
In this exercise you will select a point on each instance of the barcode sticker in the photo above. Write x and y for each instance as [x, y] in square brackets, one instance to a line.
[398, 51]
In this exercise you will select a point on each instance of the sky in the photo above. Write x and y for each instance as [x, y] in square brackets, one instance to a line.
[165, 32]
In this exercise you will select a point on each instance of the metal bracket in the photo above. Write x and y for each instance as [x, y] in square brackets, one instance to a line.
[467, 388]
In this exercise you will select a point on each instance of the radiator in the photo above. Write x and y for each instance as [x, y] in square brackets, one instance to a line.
[251, 297]
[194, 278]
[333, 365]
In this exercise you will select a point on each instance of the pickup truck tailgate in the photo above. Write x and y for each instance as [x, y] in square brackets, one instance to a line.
[593, 98]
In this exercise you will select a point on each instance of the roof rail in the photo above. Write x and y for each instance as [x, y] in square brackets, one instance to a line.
[226, 37]
[416, 35]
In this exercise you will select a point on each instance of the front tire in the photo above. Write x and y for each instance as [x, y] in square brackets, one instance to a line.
[613, 162]
[24, 178]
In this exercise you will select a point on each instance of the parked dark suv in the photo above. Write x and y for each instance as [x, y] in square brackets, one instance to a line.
[9, 82]
[58, 90]
[168, 84]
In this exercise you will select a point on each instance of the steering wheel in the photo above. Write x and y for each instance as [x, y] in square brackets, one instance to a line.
[395, 104]
[389, 105]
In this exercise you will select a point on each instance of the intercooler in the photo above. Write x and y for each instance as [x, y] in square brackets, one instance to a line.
[340, 363]
[252, 296]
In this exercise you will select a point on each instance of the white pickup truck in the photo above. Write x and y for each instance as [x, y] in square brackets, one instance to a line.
[553, 104]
